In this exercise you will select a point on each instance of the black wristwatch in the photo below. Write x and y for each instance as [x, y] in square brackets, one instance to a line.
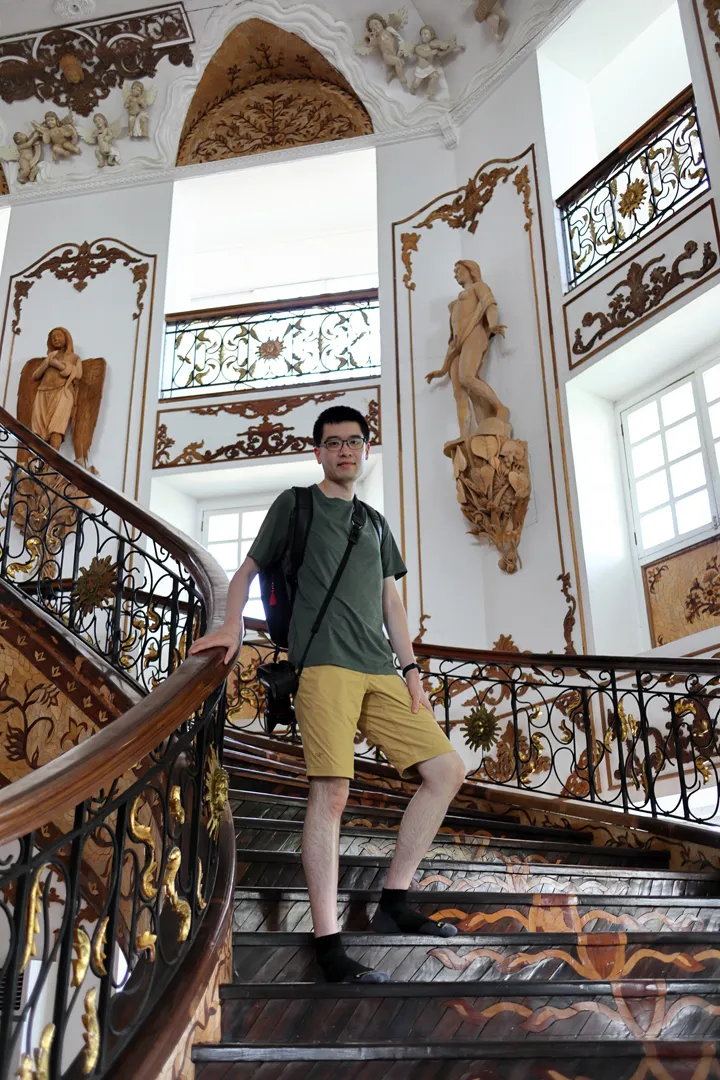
[410, 667]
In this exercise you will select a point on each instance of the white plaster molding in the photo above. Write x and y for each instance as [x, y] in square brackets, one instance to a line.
[74, 9]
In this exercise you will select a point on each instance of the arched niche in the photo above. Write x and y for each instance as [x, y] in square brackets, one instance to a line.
[268, 89]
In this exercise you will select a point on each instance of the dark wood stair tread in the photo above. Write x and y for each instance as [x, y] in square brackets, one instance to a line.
[601, 939]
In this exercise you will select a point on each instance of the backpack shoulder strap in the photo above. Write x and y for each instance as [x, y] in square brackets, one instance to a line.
[376, 519]
[302, 520]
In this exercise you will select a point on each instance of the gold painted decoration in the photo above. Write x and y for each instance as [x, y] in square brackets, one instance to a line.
[177, 811]
[140, 833]
[42, 1054]
[34, 546]
[409, 242]
[202, 904]
[81, 945]
[99, 947]
[712, 8]
[91, 1035]
[467, 206]
[96, 584]
[268, 89]
[179, 906]
[146, 941]
[32, 922]
[148, 887]
[481, 729]
[217, 784]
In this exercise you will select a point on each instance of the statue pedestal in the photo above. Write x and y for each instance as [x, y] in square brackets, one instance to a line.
[492, 480]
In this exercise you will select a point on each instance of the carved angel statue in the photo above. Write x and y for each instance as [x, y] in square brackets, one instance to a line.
[102, 136]
[27, 151]
[60, 389]
[493, 13]
[60, 135]
[428, 53]
[138, 100]
[383, 34]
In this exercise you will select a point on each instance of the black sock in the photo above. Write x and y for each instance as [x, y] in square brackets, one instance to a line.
[337, 966]
[394, 903]
[394, 913]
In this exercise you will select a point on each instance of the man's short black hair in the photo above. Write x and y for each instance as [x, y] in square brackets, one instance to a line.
[339, 414]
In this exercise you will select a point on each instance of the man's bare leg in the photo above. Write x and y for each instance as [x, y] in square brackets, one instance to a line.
[321, 849]
[321, 858]
[441, 779]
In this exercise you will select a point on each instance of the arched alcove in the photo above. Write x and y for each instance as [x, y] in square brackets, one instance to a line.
[268, 89]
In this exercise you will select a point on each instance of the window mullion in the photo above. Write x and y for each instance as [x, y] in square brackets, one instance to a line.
[708, 448]
[667, 469]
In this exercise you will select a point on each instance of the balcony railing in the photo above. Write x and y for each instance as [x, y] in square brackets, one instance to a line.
[265, 345]
[652, 174]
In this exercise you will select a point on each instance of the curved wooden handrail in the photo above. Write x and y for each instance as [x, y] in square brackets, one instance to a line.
[78, 774]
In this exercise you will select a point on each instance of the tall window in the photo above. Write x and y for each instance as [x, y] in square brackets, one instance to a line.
[228, 535]
[672, 448]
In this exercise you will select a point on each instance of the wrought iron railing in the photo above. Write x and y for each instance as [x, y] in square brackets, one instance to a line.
[266, 345]
[648, 178]
[634, 735]
[109, 855]
[115, 588]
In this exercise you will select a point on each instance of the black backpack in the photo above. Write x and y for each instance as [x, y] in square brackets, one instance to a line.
[278, 581]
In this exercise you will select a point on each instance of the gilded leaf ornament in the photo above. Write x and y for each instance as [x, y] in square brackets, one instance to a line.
[40, 1068]
[32, 923]
[177, 811]
[146, 941]
[409, 243]
[96, 584]
[81, 945]
[465, 209]
[98, 949]
[91, 1035]
[713, 13]
[179, 906]
[217, 784]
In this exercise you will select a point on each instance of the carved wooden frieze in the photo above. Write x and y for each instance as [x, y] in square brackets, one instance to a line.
[205, 433]
[77, 66]
[268, 89]
[634, 290]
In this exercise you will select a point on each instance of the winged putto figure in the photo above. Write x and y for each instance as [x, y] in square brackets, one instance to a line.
[383, 34]
[27, 152]
[493, 13]
[60, 135]
[60, 389]
[138, 99]
[102, 136]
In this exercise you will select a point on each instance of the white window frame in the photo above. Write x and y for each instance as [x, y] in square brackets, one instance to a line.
[231, 506]
[690, 373]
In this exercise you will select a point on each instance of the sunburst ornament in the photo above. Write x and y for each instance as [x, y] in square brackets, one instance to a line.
[481, 729]
[96, 583]
[217, 784]
[632, 198]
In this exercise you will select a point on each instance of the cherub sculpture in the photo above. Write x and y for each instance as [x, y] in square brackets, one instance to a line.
[60, 135]
[138, 100]
[27, 152]
[493, 13]
[428, 53]
[383, 34]
[102, 136]
[58, 390]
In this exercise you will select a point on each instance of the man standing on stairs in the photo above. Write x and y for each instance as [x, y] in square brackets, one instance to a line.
[349, 682]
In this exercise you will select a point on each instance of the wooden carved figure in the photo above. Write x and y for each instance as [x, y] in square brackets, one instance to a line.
[492, 13]
[60, 135]
[428, 53]
[58, 390]
[27, 151]
[102, 136]
[138, 100]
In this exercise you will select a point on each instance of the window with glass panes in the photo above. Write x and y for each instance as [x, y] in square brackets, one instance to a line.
[672, 447]
[228, 535]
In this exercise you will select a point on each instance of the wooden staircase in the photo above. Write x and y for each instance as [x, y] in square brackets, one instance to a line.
[573, 959]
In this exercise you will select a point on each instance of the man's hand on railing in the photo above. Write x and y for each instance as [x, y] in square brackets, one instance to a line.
[227, 637]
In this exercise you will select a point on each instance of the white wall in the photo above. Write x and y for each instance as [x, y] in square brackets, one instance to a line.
[297, 228]
[619, 626]
[637, 83]
[569, 124]
[173, 506]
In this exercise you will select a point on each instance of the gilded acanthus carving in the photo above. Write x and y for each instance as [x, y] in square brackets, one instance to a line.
[266, 407]
[569, 620]
[465, 209]
[409, 243]
[77, 66]
[703, 597]
[645, 289]
[492, 474]
[80, 264]
[268, 89]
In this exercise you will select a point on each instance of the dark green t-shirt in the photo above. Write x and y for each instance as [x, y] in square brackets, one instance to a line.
[351, 634]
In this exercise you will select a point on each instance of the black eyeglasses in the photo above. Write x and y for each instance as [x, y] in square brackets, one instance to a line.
[355, 442]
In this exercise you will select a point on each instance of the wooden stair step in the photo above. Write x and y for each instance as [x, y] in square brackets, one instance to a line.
[499, 1060]
[330, 1014]
[264, 804]
[257, 867]
[278, 909]
[285, 835]
[281, 957]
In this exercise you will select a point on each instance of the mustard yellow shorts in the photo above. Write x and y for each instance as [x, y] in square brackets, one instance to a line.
[333, 703]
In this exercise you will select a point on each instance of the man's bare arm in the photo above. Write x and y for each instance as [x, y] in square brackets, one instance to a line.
[396, 624]
[230, 635]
